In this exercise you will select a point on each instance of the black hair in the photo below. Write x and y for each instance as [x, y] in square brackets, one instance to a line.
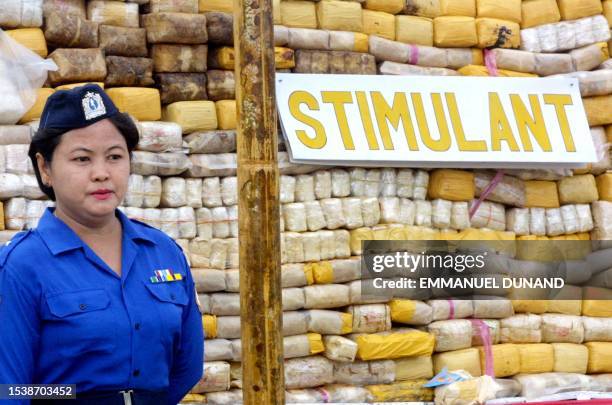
[46, 140]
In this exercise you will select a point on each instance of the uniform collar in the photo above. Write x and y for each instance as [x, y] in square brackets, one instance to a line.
[60, 238]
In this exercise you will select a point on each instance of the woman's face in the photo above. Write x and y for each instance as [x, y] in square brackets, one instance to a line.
[89, 170]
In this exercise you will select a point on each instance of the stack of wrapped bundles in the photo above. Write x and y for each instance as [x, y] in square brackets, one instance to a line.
[170, 65]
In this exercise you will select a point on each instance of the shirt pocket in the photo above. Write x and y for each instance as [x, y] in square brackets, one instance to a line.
[81, 322]
[170, 301]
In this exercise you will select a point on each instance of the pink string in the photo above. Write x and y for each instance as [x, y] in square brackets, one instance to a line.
[414, 55]
[324, 393]
[490, 62]
[485, 336]
[488, 190]
[451, 314]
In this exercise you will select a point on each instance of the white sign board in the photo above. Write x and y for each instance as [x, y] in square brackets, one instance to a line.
[434, 121]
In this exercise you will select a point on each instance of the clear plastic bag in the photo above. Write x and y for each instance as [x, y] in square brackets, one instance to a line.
[23, 73]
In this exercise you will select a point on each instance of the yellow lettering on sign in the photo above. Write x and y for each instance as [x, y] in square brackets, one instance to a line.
[366, 120]
[338, 99]
[559, 101]
[535, 123]
[394, 114]
[500, 127]
[444, 142]
[464, 144]
[303, 97]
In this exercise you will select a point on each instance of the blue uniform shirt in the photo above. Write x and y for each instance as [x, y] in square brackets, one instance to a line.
[67, 318]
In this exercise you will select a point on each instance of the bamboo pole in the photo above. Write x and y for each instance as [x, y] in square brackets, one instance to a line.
[258, 206]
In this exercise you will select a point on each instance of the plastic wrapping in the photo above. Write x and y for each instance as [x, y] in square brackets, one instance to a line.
[570, 358]
[15, 213]
[587, 58]
[420, 185]
[554, 222]
[174, 192]
[451, 334]
[450, 309]
[315, 218]
[441, 213]
[33, 212]
[524, 328]
[123, 41]
[365, 372]
[509, 191]
[216, 377]
[423, 213]
[339, 349]
[538, 385]
[113, 13]
[465, 359]
[311, 242]
[340, 183]
[412, 368]
[71, 31]
[186, 223]
[72, 7]
[565, 35]
[562, 329]
[164, 164]
[597, 329]
[492, 308]
[329, 322]
[455, 32]
[489, 215]
[21, 13]
[370, 318]
[326, 296]
[517, 221]
[308, 372]
[179, 28]
[304, 188]
[332, 210]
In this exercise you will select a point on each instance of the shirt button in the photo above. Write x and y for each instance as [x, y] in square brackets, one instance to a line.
[172, 297]
[137, 326]
[136, 373]
[83, 307]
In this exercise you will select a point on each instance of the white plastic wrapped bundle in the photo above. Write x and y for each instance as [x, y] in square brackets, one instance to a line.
[217, 350]
[602, 146]
[225, 304]
[421, 181]
[403, 69]
[565, 35]
[219, 251]
[322, 184]
[199, 252]
[34, 211]
[334, 215]
[305, 396]
[308, 372]
[207, 280]
[460, 217]
[602, 218]
[351, 208]
[211, 192]
[311, 241]
[509, 190]
[517, 221]
[327, 243]
[163, 164]
[31, 190]
[365, 372]
[537, 221]
[339, 348]
[15, 213]
[370, 318]
[294, 215]
[441, 213]
[452, 334]
[11, 185]
[152, 189]
[594, 83]
[538, 385]
[169, 222]
[450, 309]
[306, 38]
[328, 322]
[389, 182]
[340, 183]
[373, 183]
[423, 213]
[134, 213]
[554, 222]
[228, 327]
[210, 165]
[229, 190]
[489, 215]
[326, 296]
[186, 222]
[17, 160]
[287, 189]
[494, 308]
[405, 183]
[174, 192]
[292, 247]
[389, 210]
[304, 188]
[597, 329]
[314, 216]
[204, 223]
[587, 57]
[216, 377]
[342, 243]
[134, 195]
[193, 193]
[513, 59]
[230, 397]
[157, 136]
[407, 211]
[232, 217]
[358, 181]
[562, 329]
[220, 220]
[370, 211]
[585, 219]
[553, 63]
[569, 215]
[523, 328]
[152, 217]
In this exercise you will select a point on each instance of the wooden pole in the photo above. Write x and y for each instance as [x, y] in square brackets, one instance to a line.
[258, 206]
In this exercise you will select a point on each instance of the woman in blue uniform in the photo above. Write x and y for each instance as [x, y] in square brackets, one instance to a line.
[91, 297]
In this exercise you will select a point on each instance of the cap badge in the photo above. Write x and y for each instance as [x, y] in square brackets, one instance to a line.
[93, 106]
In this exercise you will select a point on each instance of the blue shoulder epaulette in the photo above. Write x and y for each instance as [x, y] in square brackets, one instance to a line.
[8, 247]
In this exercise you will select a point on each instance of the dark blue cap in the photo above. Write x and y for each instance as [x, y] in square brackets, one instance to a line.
[77, 108]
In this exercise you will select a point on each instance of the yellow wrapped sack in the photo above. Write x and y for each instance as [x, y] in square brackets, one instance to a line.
[598, 109]
[2, 227]
[497, 33]
[597, 302]
[226, 6]
[530, 306]
[339, 15]
[298, 14]
[358, 235]
[414, 30]
[506, 360]
[226, 114]
[394, 344]
[423, 8]
[600, 357]
[413, 368]
[406, 391]
[464, 8]
[35, 111]
[607, 10]
[316, 343]
[506, 10]
[31, 38]
[604, 186]
[455, 32]
[410, 312]
[388, 6]
[451, 184]
[224, 58]
[539, 12]
[581, 189]
[194, 398]
[464, 359]
[73, 85]
[536, 358]
[379, 23]
[192, 116]
[575, 9]
[209, 322]
[475, 70]
[322, 272]
[541, 193]
[570, 358]
[142, 103]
